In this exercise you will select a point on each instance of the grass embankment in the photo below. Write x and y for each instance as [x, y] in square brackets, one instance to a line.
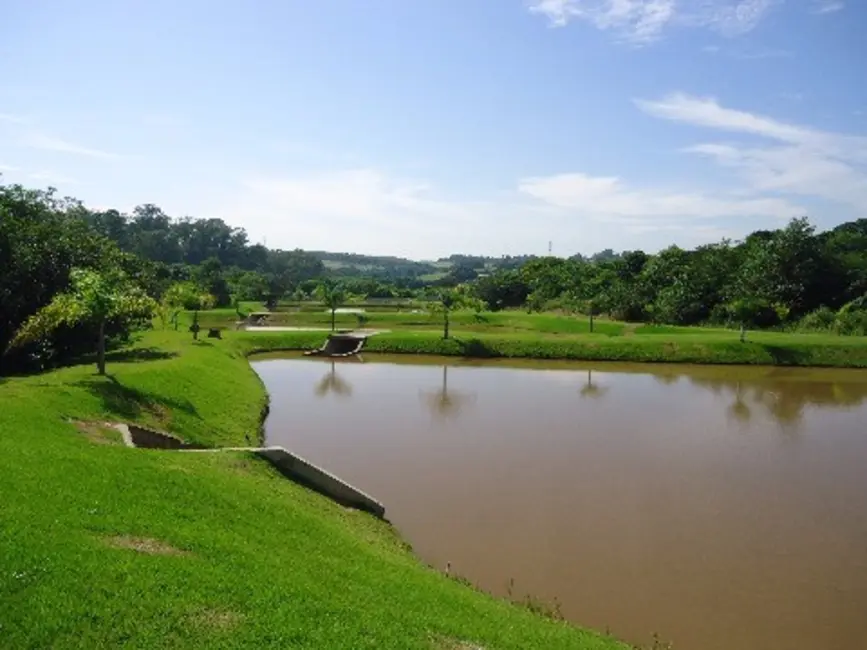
[710, 347]
[106, 546]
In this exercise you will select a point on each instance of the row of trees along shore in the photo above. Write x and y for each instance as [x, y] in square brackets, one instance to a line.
[71, 276]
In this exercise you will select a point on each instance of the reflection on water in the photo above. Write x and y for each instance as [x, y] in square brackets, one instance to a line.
[333, 384]
[444, 403]
[644, 499]
[592, 390]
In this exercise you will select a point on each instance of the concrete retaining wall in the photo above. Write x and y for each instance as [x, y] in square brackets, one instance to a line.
[290, 465]
[316, 478]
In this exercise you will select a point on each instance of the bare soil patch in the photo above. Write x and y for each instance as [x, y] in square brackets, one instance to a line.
[216, 619]
[144, 545]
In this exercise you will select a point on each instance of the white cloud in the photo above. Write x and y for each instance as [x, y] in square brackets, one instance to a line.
[639, 21]
[643, 21]
[8, 168]
[707, 112]
[46, 142]
[827, 6]
[798, 160]
[748, 54]
[609, 199]
[367, 210]
[13, 119]
[370, 208]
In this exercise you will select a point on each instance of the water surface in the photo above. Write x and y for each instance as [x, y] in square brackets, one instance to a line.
[719, 507]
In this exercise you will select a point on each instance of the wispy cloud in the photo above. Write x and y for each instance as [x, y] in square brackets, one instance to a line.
[827, 6]
[13, 119]
[610, 199]
[707, 112]
[749, 54]
[789, 158]
[51, 177]
[37, 140]
[644, 21]
[638, 21]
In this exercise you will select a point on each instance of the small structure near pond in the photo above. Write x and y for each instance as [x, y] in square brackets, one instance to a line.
[340, 345]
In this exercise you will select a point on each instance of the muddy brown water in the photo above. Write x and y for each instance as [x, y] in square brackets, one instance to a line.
[720, 507]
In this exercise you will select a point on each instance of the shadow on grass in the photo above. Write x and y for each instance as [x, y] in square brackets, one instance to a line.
[131, 403]
[783, 356]
[138, 354]
[476, 349]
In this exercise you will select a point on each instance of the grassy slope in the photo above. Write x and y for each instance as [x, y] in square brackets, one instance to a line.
[265, 563]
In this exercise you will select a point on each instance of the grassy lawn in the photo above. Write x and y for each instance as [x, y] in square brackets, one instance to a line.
[103, 546]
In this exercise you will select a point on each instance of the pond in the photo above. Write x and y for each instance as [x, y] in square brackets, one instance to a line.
[720, 507]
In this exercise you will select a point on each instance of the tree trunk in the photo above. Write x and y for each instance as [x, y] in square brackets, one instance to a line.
[333, 310]
[591, 321]
[446, 324]
[100, 349]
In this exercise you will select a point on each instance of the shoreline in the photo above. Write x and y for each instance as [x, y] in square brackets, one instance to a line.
[760, 349]
[216, 525]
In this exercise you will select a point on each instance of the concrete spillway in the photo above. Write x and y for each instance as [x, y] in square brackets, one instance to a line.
[341, 345]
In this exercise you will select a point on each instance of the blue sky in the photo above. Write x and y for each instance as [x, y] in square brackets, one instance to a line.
[427, 127]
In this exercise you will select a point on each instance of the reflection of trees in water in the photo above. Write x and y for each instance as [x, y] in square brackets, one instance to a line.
[333, 383]
[592, 390]
[739, 409]
[447, 403]
[784, 399]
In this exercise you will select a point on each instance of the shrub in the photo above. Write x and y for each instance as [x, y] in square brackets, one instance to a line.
[851, 323]
[823, 319]
[857, 305]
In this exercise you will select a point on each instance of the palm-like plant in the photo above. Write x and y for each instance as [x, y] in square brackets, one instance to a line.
[446, 301]
[332, 295]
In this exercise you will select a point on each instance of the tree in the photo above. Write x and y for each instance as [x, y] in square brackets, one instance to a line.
[181, 296]
[95, 298]
[332, 295]
[447, 299]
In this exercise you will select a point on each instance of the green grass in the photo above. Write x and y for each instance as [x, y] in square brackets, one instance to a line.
[691, 346]
[246, 558]
[502, 322]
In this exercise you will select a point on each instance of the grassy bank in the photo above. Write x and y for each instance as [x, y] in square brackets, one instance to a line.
[692, 346]
[106, 546]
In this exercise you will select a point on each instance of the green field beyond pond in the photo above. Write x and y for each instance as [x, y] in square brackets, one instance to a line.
[103, 546]
[553, 336]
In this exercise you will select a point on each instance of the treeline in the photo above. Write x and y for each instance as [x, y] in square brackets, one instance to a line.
[793, 276]
[771, 278]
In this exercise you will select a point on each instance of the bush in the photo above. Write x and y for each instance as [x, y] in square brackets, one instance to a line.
[750, 312]
[851, 323]
[857, 305]
[823, 320]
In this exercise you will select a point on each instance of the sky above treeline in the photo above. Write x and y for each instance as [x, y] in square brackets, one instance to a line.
[428, 127]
